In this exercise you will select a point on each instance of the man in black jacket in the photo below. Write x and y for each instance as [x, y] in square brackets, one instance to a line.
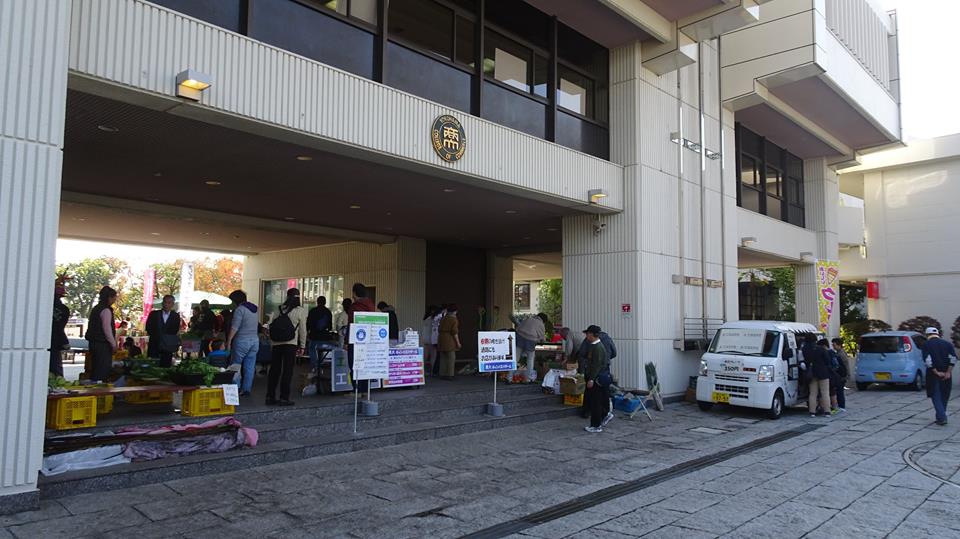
[58, 334]
[319, 329]
[816, 364]
[163, 327]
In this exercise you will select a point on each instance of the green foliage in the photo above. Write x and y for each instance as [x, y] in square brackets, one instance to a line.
[784, 280]
[852, 331]
[551, 300]
[87, 277]
[851, 299]
[920, 324]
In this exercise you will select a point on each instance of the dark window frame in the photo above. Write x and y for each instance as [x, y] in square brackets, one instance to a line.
[772, 157]
[361, 24]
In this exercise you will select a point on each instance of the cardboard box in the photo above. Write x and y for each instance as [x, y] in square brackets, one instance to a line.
[572, 385]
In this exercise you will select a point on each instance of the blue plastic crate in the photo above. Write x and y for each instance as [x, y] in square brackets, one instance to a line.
[627, 405]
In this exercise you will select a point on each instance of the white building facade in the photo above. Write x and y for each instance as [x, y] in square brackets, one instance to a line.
[653, 147]
[908, 231]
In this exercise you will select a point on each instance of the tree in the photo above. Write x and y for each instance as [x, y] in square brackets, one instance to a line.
[87, 277]
[167, 278]
[851, 332]
[785, 279]
[851, 301]
[551, 300]
[220, 276]
[920, 324]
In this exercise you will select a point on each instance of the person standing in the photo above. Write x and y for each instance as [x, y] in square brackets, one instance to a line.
[530, 332]
[102, 334]
[206, 323]
[393, 324]
[596, 372]
[940, 357]
[428, 336]
[288, 335]
[319, 326]
[342, 321]
[816, 363]
[242, 339]
[163, 327]
[448, 342]
[58, 333]
[435, 335]
[843, 372]
[359, 304]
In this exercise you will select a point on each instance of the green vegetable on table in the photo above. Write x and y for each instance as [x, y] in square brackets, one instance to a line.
[195, 366]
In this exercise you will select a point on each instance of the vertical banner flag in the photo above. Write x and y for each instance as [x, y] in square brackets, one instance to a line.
[828, 288]
[149, 278]
[186, 289]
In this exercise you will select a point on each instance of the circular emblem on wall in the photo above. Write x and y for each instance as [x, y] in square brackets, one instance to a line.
[449, 140]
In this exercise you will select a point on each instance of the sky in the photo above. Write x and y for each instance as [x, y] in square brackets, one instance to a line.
[929, 78]
[138, 257]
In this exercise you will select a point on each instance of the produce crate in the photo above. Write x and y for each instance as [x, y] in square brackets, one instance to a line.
[149, 397]
[202, 402]
[573, 400]
[572, 385]
[104, 404]
[72, 413]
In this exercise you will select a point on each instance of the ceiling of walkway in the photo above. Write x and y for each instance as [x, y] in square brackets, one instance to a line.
[135, 154]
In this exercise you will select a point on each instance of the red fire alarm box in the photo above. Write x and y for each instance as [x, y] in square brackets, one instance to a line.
[873, 290]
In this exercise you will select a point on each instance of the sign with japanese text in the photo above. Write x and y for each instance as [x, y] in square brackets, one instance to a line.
[406, 368]
[497, 351]
[149, 280]
[743, 341]
[828, 288]
[371, 351]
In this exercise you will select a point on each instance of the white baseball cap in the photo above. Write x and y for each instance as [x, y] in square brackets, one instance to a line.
[932, 331]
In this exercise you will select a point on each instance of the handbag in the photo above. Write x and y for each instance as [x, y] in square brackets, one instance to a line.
[605, 379]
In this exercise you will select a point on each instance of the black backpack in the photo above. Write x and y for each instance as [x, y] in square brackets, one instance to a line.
[281, 329]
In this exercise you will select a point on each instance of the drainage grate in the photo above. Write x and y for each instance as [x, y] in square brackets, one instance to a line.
[604, 495]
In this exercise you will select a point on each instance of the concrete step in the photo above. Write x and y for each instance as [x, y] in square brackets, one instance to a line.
[393, 416]
[142, 473]
[316, 408]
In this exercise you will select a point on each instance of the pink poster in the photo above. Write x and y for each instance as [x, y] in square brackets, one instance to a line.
[149, 278]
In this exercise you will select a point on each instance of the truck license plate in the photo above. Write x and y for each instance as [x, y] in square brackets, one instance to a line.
[722, 398]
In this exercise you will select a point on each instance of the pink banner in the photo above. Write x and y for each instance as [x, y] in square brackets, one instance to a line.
[149, 280]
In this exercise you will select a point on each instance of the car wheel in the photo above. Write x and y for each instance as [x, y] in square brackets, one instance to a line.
[862, 386]
[918, 384]
[705, 406]
[776, 407]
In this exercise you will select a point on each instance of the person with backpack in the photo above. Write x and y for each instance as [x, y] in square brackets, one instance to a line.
[288, 338]
[841, 362]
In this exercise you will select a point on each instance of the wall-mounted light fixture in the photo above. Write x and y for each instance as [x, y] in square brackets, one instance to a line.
[190, 84]
[807, 257]
[594, 196]
[748, 241]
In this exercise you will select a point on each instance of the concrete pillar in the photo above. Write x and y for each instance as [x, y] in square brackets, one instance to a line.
[660, 234]
[499, 291]
[411, 282]
[33, 60]
[822, 199]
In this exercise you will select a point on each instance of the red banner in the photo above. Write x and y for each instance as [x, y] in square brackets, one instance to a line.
[149, 278]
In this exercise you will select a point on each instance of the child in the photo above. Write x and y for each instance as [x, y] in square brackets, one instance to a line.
[218, 356]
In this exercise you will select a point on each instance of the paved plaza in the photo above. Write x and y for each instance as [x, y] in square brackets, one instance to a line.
[880, 470]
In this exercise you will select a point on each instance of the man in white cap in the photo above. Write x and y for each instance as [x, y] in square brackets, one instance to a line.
[940, 357]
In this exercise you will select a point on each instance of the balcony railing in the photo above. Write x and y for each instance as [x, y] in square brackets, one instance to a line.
[865, 31]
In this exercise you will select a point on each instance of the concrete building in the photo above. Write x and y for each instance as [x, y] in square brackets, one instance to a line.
[906, 223]
[651, 147]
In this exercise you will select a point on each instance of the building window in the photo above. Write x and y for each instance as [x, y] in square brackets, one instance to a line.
[361, 10]
[771, 178]
[507, 61]
[521, 297]
[426, 25]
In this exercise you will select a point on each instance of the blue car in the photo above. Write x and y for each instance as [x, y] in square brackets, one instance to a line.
[891, 357]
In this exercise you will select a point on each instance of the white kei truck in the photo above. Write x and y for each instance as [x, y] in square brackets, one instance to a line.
[755, 364]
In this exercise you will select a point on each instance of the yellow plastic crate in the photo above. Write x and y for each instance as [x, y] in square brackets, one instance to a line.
[104, 404]
[573, 400]
[203, 402]
[149, 397]
[72, 413]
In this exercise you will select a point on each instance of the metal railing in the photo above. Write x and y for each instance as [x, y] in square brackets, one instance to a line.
[701, 329]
